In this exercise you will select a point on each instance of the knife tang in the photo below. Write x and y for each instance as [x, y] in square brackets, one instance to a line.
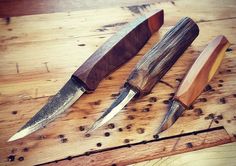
[162, 56]
[118, 49]
[202, 71]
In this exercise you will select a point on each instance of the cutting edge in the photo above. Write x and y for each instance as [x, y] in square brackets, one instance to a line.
[125, 96]
[68, 94]
[175, 111]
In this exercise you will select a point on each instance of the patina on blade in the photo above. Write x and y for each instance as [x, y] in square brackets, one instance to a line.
[57, 105]
[125, 96]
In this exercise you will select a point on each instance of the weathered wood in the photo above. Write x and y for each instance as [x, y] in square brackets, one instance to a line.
[163, 55]
[12, 8]
[202, 71]
[218, 155]
[149, 150]
[39, 53]
[120, 48]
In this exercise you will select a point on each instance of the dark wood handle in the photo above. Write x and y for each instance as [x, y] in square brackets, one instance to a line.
[120, 48]
[155, 63]
[202, 71]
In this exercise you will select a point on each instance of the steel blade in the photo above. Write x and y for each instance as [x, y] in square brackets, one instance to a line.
[125, 96]
[171, 116]
[71, 91]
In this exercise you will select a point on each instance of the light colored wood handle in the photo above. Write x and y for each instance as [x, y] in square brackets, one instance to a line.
[202, 71]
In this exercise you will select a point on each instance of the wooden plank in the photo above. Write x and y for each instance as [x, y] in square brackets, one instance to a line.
[40, 52]
[219, 155]
[9, 8]
[149, 150]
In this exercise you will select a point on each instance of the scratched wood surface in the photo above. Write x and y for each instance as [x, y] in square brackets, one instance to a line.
[40, 52]
[218, 155]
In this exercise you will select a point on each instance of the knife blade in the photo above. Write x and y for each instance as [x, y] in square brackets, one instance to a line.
[153, 66]
[120, 48]
[197, 78]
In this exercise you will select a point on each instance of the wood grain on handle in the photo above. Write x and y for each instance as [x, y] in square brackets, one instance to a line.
[202, 71]
[155, 63]
[118, 49]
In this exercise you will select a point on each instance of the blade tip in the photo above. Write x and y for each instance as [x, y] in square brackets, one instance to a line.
[92, 128]
[19, 134]
[13, 138]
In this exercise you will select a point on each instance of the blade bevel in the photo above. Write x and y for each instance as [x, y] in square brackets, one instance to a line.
[68, 94]
[125, 96]
[171, 116]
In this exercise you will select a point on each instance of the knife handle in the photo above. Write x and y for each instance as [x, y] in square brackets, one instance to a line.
[202, 71]
[157, 61]
[120, 48]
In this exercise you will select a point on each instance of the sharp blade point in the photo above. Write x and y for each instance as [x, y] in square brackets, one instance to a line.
[93, 127]
[171, 116]
[67, 95]
[125, 96]
[19, 134]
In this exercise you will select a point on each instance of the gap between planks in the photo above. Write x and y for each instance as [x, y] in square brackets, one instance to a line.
[136, 152]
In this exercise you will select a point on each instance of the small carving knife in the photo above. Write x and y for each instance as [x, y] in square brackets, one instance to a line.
[153, 66]
[111, 55]
[196, 79]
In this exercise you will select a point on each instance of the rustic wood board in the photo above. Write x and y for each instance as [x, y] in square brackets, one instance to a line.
[40, 52]
[218, 155]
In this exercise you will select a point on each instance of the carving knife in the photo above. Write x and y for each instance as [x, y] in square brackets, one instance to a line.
[121, 47]
[196, 79]
[152, 67]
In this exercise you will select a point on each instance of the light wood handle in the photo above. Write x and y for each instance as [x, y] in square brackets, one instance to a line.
[156, 62]
[202, 71]
[120, 48]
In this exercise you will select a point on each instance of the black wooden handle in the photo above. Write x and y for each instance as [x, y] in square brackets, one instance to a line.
[156, 62]
[118, 49]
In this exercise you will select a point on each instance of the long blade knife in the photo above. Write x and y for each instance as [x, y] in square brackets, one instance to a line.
[196, 80]
[120, 48]
[153, 66]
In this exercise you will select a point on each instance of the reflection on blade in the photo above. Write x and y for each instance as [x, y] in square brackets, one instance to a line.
[57, 105]
[171, 116]
[125, 96]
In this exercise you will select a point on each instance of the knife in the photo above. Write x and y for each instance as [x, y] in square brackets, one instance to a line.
[152, 67]
[196, 80]
[120, 48]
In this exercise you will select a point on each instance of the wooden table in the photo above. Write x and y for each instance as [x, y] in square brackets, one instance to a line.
[40, 52]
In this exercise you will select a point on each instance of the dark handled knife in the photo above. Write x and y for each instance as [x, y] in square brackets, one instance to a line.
[153, 66]
[111, 55]
[196, 80]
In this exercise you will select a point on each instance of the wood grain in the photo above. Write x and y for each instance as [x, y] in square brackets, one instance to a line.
[162, 56]
[39, 53]
[117, 50]
[149, 150]
[202, 71]
[10, 8]
[219, 155]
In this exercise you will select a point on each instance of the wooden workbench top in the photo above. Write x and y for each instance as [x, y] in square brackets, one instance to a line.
[38, 53]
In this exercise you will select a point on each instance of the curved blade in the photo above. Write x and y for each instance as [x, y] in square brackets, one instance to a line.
[57, 105]
[171, 116]
[125, 96]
